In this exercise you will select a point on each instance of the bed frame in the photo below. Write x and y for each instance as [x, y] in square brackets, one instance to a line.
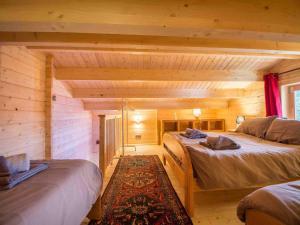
[184, 170]
[254, 217]
[96, 211]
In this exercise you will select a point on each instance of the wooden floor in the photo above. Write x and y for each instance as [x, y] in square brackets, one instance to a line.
[211, 208]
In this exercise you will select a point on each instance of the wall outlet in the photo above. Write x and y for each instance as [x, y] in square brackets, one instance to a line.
[138, 137]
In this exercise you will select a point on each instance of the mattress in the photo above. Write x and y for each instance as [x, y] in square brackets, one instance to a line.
[63, 194]
[281, 201]
[257, 162]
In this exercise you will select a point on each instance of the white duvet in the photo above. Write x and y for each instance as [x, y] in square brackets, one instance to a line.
[257, 162]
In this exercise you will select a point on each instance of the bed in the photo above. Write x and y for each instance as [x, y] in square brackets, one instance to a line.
[273, 205]
[63, 194]
[258, 163]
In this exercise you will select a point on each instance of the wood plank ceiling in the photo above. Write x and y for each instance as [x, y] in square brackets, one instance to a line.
[159, 61]
[152, 40]
[194, 62]
[191, 62]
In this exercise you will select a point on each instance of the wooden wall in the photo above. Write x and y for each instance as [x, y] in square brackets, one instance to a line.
[289, 78]
[185, 114]
[251, 106]
[22, 102]
[286, 80]
[146, 129]
[71, 125]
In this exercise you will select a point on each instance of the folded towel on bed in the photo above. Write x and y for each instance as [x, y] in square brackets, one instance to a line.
[14, 164]
[16, 178]
[220, 143]
[193, 134]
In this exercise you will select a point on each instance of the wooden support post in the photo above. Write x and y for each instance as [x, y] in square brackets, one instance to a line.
[189, 194]
[164, 160]
[102, 144]
[49, 99]
[96, 210]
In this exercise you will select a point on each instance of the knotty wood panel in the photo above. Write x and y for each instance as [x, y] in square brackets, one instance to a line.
[290, 78]
[185, 114]
[253, 106]
[286, 80]
[160, 84]
[163, 61]
[144, 132]
[270, 20]
[71, 125]
[22, 102]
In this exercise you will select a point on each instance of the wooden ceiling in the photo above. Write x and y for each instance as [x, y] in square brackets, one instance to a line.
[171, 62]
[107, 87]
[193, 62]
[146, 49]
[161, 84]
[261, 26]
[154, 103]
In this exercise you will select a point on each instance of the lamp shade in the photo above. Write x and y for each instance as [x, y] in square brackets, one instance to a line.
[240, 119]
[196, 112]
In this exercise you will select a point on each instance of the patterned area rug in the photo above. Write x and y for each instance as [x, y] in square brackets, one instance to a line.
[141, 193]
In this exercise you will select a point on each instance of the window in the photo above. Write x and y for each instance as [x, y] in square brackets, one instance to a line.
[297, 104]
[293, 102]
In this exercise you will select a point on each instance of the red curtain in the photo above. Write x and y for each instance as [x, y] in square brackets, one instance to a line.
[272, 95]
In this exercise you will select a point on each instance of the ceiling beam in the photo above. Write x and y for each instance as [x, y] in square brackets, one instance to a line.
[156, 93]
[256, 19]
[188, 52]
[168, 104]
[150, 43]
[155, 75]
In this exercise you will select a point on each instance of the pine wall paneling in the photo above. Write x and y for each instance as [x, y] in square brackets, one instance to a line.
[185, 114]
[144, 132]
[22, 98]
[71, 125]
[251, 106]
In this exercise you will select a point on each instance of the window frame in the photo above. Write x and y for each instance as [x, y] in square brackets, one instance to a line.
[292, 108]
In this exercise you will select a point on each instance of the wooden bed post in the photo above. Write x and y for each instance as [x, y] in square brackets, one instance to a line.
[102, 144]
[96, 211]
[189, 196]
[189, 192]
[183, 169]
[164, 160]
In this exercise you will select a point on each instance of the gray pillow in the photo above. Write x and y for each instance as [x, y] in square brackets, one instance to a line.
[284, 131]
[18, 163]
[256, 126]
